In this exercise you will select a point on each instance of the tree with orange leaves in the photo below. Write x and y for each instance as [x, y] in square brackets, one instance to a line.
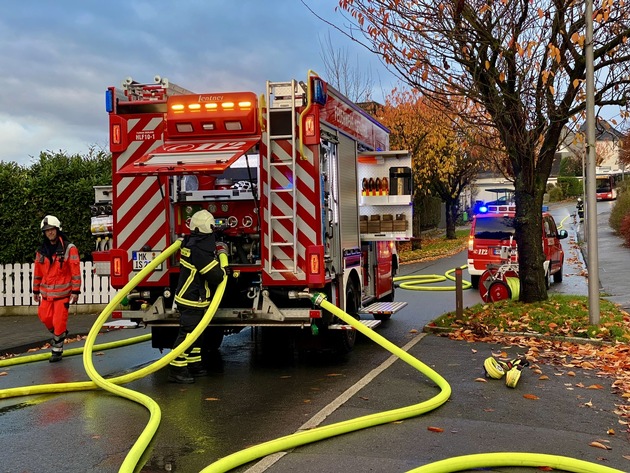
[444, 163]
[523, 62]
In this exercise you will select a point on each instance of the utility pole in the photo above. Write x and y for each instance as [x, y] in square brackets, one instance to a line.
[591, 171]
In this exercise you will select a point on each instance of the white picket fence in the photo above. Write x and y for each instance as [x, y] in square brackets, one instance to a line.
[16, 285]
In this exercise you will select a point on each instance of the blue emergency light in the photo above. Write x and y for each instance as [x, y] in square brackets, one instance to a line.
[320, 93]
[483, 209]
[109, 101]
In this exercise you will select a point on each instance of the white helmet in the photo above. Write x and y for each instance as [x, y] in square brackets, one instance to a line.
[202, 221]
[579, 199]
[50, 221]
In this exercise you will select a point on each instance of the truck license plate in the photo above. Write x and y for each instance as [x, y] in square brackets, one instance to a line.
[143, 258]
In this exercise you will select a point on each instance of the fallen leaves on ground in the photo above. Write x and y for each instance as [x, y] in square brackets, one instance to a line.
[609, 361]
[600, 445]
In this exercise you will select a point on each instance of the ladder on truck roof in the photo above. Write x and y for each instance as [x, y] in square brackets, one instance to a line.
[282, 99]
[159, 90]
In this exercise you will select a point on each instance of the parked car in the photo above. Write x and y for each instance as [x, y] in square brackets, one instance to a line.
[494, 228]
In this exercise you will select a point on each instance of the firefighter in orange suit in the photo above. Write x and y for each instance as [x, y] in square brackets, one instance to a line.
[199, 271]
[56, 282]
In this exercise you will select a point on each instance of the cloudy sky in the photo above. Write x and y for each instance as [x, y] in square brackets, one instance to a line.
[58, 58]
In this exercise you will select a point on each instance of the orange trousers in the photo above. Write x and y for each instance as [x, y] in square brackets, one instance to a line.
[54, 314]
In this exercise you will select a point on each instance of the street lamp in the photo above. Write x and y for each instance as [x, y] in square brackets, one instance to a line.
[591, 195]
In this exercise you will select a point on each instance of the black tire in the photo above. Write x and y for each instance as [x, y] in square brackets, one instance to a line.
[344, 340]
[212, 338]
[474, 281]
[557, 276]
[277, 343]
[548, 277]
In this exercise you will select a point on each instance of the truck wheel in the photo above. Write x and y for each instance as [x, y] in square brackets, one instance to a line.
[344, 340]
[548, 277]
[474, 281]
[557, 276]
[212, 339]
[277, 343]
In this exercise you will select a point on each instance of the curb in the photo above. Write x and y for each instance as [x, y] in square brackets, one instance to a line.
[539, 336]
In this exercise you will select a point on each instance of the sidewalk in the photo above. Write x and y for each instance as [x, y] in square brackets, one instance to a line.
[614, 264]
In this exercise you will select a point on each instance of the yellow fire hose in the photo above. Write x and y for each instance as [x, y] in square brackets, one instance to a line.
[416, 282]
[301, 438]
[136, 451]
[134, 455]
[444, 466]
[20, 360]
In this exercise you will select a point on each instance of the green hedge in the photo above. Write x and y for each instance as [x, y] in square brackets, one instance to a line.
[55, 184]
[571, 186]
[556, 194]
[620, 209]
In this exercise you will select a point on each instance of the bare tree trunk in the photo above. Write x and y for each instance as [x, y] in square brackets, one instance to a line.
[529, 240]
[452, 210]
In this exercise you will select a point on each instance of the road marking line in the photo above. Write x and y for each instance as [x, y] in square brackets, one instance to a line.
[318, 418]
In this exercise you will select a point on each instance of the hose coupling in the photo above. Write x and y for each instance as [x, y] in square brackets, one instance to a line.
[317, 298]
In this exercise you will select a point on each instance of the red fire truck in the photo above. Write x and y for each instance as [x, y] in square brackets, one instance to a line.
[290, 178]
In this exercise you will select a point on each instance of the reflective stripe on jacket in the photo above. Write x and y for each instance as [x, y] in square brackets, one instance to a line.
[60, 277]
[198, 270]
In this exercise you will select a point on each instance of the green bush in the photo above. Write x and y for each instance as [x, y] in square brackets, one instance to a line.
[571, 186]
[556, 194]
[17, 213]
[624, 230]
[620, 209]
[56, 184]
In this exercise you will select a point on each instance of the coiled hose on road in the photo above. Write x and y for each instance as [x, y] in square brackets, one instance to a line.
[234, 460]
[417, 282]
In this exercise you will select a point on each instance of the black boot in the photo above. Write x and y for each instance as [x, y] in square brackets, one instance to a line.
[55, 356]
[179, 375]
[57, 347]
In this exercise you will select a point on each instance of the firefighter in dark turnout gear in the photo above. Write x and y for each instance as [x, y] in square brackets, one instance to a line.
[56, 282]
[199, 272]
